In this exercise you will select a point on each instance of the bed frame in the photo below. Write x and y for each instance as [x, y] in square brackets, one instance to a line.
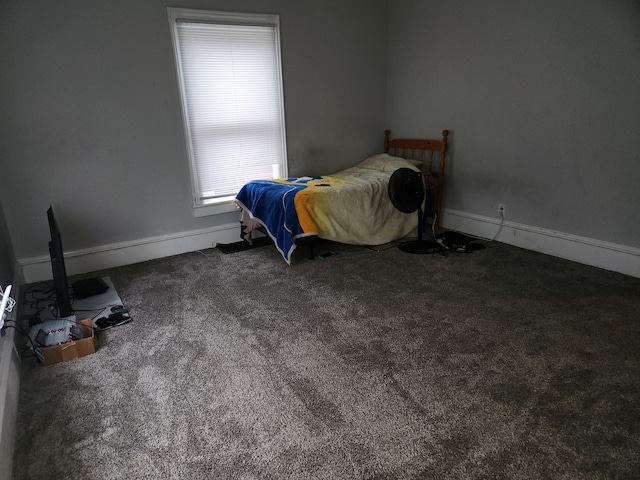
[432, 155]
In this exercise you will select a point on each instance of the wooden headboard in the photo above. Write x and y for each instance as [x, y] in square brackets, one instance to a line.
[430, 152]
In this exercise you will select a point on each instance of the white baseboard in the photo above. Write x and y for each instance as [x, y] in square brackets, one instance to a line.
[37, 269]
[597, 253]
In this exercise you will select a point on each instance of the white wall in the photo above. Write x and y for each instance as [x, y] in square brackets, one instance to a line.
[90, 123]
[7, 256]
[9, 360]
[90, 119]
[542, 100]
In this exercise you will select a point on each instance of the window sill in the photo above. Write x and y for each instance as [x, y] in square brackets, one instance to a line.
[215, 208]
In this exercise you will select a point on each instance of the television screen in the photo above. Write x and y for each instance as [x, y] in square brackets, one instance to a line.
[60, 285]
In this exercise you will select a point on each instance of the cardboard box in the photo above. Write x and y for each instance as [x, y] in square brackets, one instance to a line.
[73, 349]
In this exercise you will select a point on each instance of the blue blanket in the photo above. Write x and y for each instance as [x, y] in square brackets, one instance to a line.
[282, 224]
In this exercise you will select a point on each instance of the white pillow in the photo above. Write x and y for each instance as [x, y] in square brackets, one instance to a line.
[384, 162]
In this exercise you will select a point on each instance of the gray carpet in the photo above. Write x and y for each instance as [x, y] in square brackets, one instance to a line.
[500, 363]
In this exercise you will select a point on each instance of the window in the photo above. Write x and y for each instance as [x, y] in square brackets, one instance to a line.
[231, 89]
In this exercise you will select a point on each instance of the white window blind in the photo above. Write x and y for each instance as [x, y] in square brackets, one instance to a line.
[230, 79]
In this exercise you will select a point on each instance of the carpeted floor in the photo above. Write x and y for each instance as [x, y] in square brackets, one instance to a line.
[500, 363]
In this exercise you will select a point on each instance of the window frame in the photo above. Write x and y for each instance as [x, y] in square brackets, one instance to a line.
[226, 203]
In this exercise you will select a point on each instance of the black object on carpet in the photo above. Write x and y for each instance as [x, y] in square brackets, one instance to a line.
[244, 245]
[453, 239]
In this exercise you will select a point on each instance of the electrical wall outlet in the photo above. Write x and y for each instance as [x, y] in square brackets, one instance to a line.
[502, 210]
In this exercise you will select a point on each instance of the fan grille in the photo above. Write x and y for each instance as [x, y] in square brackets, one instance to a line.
[406, 190]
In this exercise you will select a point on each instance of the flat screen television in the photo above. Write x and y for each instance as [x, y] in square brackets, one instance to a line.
[60, 284]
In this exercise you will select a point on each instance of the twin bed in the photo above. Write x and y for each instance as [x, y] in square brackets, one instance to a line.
[351, 206]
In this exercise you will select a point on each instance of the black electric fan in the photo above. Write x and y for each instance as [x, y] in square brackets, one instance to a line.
[407, 194]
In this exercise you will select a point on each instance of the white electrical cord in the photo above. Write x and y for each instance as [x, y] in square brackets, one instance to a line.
[10, 304]
[497, 233]
[499, 228]
[6, 305]
[10, 301]
[433, 225]
[495, 236]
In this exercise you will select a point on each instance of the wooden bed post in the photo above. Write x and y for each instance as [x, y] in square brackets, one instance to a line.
[443, 151]
[386, 141]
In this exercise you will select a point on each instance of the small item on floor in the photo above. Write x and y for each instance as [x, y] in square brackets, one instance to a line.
[78, 333]
[119, 316]
[89, 287]
[60, 340]
[244, 245]
[41, 338]
[324, 256]
[51, 332]
[468, 248]
[459, 242]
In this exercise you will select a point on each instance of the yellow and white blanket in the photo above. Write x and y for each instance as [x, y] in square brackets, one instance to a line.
[351, 206]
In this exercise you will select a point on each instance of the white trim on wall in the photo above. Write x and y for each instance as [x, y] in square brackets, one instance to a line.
[597, 253]
[36, 269]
